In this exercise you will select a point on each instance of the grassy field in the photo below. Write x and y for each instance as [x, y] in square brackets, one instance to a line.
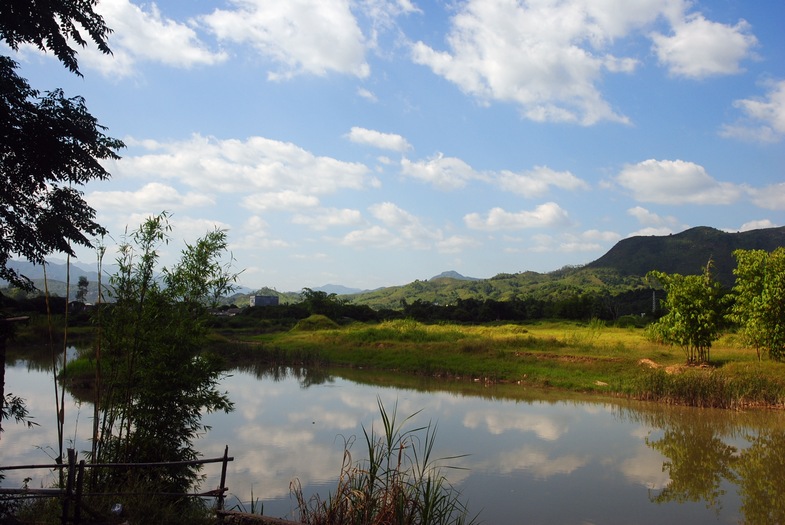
[580, 357]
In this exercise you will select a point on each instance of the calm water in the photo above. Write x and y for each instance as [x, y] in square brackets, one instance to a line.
[534, 457]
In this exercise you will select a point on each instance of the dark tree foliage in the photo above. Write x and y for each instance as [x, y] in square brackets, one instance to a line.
[50, 24]
[48, 145]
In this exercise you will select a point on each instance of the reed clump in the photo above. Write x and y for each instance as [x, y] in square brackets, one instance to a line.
[399, 483]
[710, 388]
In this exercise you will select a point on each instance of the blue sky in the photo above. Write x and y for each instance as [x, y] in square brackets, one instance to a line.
[371, 143]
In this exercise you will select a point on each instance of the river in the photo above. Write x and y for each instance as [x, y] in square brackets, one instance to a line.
[537, 457]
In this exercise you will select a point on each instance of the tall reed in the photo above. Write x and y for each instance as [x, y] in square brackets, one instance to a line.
[400, 483]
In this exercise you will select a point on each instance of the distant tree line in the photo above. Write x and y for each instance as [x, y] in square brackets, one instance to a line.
[579, 307]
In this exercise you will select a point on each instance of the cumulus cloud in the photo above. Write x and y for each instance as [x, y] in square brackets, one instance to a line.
[544, 215]
[254, 234]
[699, 48]
[445, 173]
[147, 35]
[328, 217]
[649, 218]
[456, 244]
[372, 236]
[408, 227]
[377, 139]
[549, 58]
[587, 241]
[757, 225]
[675, 182]
[396, 228]
[367, 95]
[771, 197]
[536, 182]
[651, 231]
[150, 198]
[256, 164]
[538, 56]
[301, 36]
[280, 200]
[763, 118]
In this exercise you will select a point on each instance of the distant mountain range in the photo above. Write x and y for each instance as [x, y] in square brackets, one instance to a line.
[621, 269]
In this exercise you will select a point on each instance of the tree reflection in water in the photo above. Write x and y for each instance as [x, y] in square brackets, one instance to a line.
[698, 461]
[761, 477]
[702, 462]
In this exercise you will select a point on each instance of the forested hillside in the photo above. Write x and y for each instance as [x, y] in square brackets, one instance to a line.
[620, 271]
[688, 252]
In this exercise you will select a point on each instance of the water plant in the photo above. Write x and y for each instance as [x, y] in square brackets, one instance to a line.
[398, 483]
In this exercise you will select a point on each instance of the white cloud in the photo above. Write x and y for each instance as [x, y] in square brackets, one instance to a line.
[147, 35]
[601, 236]
[545, 57]
[371, 236]
[456, 244]
[302, 36]
[326, 218]
[390, 141]
[764, 118]
[757, 225]
[382, 15]
[587, 241]
[652, 230]
[536, 182]
[648, 218]
[675, 182]
[699, 48]
[192, 228]
[256, 164]
[153, 197]
[445, 173]
[367, 95]
[408, 227]
[549, 57]
[544, 215]
[281, 200]
[254, 235]
[771, 197]
[397, 229]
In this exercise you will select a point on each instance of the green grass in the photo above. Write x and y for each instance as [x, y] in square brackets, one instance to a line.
[581, 357]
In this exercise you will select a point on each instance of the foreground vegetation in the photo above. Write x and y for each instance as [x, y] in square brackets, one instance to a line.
[399, 482]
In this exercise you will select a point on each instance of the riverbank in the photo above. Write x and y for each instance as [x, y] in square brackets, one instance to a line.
[578, 357]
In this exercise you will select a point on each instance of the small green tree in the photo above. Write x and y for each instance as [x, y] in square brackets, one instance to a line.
[322, 303]
[81, 288]
[759, 307]
[695, 307]
[157, 380]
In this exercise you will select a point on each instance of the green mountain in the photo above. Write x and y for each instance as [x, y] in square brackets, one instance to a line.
[688, 252]
[621, 270]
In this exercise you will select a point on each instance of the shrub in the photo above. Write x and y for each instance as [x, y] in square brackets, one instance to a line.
[315, 322]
